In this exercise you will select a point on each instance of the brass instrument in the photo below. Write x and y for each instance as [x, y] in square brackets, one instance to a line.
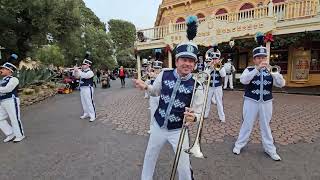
[217, 66]
[273, 69]
[204, 79]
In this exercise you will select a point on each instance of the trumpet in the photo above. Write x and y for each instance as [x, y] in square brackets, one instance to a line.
[273, 69]
[202, 78]
[217, 66]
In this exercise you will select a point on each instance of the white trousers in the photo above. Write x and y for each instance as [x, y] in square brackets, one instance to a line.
[251, 111]
[154, 103]
[228, 78]
[86, 95]
[11, 108]
[157, 139]
[217, 93]
[146, 93]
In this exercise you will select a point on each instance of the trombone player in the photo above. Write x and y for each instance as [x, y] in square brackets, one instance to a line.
[217, 72]
[175, 88]
[259, 80]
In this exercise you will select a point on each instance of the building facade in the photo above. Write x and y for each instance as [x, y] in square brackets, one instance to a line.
[294, 25]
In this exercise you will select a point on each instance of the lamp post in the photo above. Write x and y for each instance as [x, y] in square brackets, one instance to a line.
[1, 48]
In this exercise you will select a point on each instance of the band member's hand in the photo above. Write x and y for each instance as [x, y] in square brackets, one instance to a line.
[75, 68]
[189, 117]
[262, 65]
[140, 84]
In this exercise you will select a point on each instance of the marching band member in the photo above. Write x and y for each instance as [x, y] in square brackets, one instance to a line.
[258, 80]
[230, 69]
[154, 100]
[215, 89]
[10, 102]
[86, 88]
[175, 87]
[147, 68]
[200, 64]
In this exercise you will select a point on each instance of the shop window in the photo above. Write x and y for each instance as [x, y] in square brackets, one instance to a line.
[243, 62]
[315, 61]
[280, 58]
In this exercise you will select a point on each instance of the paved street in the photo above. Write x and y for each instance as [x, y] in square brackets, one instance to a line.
[59, 145]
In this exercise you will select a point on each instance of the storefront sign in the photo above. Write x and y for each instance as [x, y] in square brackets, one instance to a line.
[217, 31]
[300, 65]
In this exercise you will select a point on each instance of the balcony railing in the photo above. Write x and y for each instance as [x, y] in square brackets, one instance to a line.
[284, 11]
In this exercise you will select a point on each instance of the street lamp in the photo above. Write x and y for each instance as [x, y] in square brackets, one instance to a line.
[1, 48]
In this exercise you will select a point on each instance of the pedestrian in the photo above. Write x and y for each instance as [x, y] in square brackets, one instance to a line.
[86, 88]
[10, 102]
[122, 76]
[98, 76]
[258, 81]
[175, 87]
[215, 90]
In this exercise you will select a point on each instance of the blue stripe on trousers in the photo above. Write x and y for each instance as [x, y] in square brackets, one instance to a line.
[17, 115]
[94, 108]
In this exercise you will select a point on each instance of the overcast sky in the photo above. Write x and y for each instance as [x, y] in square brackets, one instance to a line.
[142, 13]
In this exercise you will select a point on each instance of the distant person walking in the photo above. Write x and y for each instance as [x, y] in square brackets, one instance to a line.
[98, 76]
[122, 76]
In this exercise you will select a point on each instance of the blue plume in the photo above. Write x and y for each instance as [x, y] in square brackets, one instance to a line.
[13, 58]
[192, 26]
[259, 38]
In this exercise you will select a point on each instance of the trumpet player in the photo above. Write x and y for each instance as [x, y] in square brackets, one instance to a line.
[258, 81]
[175, 88]
[86, 88]
[215, 91]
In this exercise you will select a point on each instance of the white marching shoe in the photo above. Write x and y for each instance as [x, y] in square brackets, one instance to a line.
[92, 119]
[274, 156]
[236, 151]
[9, 138]
[18, 139]
[84, 116]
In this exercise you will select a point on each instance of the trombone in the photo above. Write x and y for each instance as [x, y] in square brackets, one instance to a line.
[203, 78]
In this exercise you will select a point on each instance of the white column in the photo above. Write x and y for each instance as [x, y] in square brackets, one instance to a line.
[169, 59]
[139, 66]
[268, 50]
[270, 7]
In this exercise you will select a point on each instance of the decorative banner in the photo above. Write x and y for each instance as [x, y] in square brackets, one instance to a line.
[300, 65]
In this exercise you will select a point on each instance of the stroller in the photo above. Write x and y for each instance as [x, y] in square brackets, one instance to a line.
[105, 81]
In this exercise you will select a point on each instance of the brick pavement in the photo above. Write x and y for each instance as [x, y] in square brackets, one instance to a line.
[61, 146]
[295, 118]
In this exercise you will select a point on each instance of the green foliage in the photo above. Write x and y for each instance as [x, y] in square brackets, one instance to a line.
[99, 44]
[24, 25]
[126, 59]
[33, 76]
[123, 33]
[50, 54]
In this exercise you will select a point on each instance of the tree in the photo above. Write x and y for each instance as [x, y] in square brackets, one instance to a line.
[50, 54]
[26, 23]
[123, 33]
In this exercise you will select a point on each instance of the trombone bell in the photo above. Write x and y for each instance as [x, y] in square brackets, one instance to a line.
[195, 150]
